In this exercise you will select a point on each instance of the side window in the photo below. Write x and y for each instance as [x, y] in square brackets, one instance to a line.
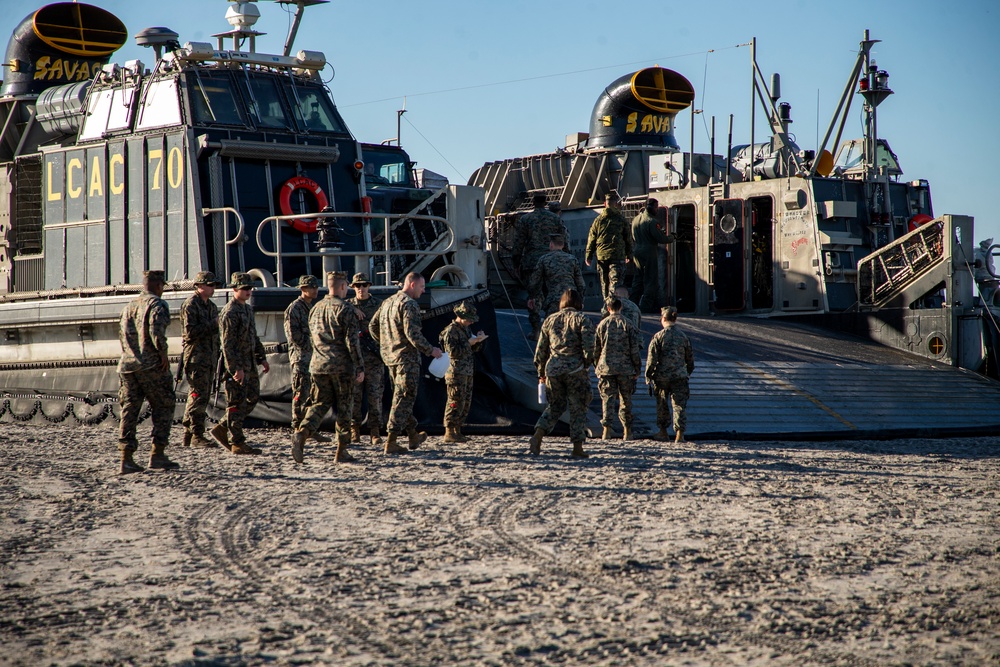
[212, 102]
[160, 105]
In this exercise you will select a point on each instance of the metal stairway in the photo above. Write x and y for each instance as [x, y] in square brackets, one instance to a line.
[907, 269]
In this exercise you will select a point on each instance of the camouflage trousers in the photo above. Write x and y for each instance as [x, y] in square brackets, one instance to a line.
[374, 385]
[301, 395]
[155, 386]
[459, 399]
[612, 274]
[241, 398]
[573, 391]
[528, 263]
[405, 380]
[328, 391]
[672, 393]
[616, 390]
[200, 380]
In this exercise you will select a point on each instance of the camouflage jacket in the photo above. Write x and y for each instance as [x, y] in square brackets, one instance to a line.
[397, 326]
[300, 349]
[336, 348]
[531, 235]
[610, 237]
[143, 333]
[646, 233]
[630, 312]
[369, 346]
[455, 341]
[565, 344]
[617, 347]
[241, 348]
[555, 273]
[670, 356]
[200, 331]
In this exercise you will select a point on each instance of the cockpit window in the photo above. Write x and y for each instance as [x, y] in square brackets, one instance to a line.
[212, 100]
[266, 103]
[385, 167]
[314, 111]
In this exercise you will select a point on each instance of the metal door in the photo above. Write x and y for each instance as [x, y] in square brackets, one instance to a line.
[728, 264]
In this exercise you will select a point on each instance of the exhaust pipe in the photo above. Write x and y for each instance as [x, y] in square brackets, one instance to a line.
[638, 109]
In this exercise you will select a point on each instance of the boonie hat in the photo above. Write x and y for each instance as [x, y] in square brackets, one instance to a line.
[467, 311]
[241, 280]
[207, 278]
[308, 281]
[360, 278]
[337, 274]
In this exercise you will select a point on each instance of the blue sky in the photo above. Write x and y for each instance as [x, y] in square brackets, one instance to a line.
[485, 81]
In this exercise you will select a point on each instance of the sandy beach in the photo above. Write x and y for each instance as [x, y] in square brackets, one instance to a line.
[706, 553]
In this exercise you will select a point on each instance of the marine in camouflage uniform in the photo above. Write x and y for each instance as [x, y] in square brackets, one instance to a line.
[530, 242]
[374, 382]
[398, 329]
[144, 371]
[242, 352]
[460, 347]
[610, 241]
[630, 311]
[296, 325]
[669, 363]
[556, 272]
[200, 359]
[336, 367]
[647, 239]
[618, 351]
[563, 358]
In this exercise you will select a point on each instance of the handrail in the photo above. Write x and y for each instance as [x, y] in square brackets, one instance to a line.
[226, 210]
[387, 253]
[895, 265]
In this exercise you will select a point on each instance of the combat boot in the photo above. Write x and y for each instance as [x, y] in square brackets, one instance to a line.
[450, 436]
[680, 437]
[535, 442]
[128, 465]
[245, 449]
[342, 455]
[355, 434]
[627, 435]
[298, 440]
[461, 436]
[661, 435]
[159, 461]
[415, 437]
[391, 447]
[186, 442]
[199, 440]
[376, 436]
[221, 433]
[319, 437]
[578, 452]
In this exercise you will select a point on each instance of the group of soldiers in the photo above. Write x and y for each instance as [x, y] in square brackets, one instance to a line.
[338, 349]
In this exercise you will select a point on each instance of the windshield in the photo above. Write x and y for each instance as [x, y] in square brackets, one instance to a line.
[314, 110]
[212, 100]
[387, 167]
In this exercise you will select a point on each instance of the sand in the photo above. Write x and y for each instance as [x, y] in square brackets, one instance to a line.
[706, 553]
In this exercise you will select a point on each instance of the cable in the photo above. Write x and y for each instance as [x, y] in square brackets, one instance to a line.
[457, 170]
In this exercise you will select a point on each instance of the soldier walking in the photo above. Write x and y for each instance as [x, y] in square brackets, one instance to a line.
[618, 351]
[300, 350]
[563, 358]
[556, 272]
[144, 370]
[649, 241]
[242, 352]
[460, 346]
[397, 327]
[668, 365]
[630, 311]
[374, 382]
[336, 368]
[530, 242]
[200, 333]
[610, 241]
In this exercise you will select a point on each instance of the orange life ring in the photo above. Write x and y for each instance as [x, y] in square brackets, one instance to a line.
[918, 220]
[304, 225]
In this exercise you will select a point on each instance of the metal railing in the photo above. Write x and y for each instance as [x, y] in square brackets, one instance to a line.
[891, 268]
[389, 221]
[236, 240]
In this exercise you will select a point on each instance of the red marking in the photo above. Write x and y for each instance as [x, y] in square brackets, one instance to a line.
[797, 243]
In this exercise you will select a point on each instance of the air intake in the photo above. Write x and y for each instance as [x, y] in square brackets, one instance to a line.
[638, 109]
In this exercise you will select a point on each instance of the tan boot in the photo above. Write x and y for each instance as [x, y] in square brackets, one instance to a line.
[159, 461]
[342, 455]
[245, 449]
[607, 434]
[355, 434]
[627, 434]
[199, 440]
[680, 437]
[319, 437]
[461, 436]
[376, 436]
[661, 436]
[535, 442]
[578, 452]
[391, 447]
[298, 443]
[450, 436]
[416, 438]
[221, 433]
[129, 465]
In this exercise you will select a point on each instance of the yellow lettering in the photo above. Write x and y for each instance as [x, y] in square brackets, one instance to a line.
[56, 71]
[42, 67]
[647, 123]
[630, 127]
[156, 154]
[175, 167]
[52, 196]
[71, 68]
[96, 186]
[606, 120]
[74, 163]
[83, 71]
[115, 182]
